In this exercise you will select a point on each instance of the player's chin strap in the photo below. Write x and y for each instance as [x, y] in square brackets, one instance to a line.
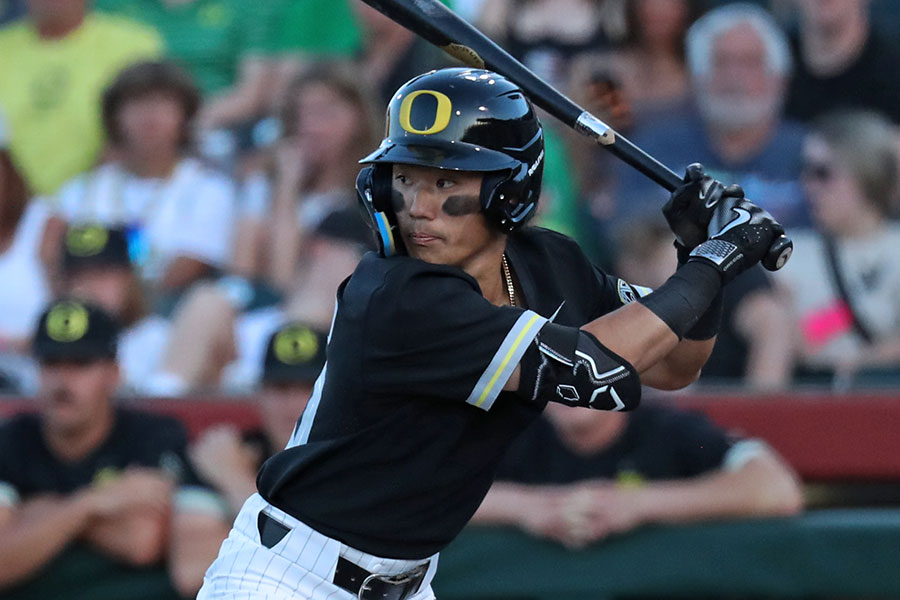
[376, 203]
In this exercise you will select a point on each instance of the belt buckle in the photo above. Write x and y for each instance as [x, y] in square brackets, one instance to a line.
[403, 579]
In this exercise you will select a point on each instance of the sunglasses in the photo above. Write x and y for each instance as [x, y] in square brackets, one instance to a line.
[818, 171]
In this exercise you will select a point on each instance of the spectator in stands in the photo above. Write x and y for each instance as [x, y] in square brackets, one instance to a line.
[578, 476]
[845, 284]
[83, 476]
[546, 34]
[650, 66]
[751, 349]
[842, 62]
[739, 62]
[56, 62]
[28, 239]
[220, 44]
[96, 266]
[392, 54]
[295, 243]
[328, 114]
[178, 212]
[228, 459]
[300, 33]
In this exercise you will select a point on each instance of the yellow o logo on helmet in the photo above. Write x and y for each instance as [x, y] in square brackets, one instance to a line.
[67, 322]
[441, 114]
[296, 345]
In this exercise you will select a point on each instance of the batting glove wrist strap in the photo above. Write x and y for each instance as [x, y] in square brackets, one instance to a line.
[718, 252]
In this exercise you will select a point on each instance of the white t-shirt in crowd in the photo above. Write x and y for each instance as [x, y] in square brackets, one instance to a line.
[24, 292]
[141, 350]
[191, 213]
[871, 272]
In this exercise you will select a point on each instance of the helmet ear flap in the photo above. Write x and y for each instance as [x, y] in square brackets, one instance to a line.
[506, 198]
[373, 189]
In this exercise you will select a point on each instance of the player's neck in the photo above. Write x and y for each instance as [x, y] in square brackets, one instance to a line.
[487, 269]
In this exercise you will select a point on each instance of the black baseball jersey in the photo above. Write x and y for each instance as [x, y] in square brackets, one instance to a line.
[138, 439]
[407, 423]
[658, 442]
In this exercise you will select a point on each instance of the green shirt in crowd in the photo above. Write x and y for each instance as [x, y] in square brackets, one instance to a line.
[207, 37]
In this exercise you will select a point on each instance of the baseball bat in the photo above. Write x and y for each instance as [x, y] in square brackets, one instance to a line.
[440, 26]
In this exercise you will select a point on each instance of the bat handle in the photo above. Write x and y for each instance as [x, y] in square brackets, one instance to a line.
[779, 253]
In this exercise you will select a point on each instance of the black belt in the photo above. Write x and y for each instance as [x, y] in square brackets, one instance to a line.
[350, 576]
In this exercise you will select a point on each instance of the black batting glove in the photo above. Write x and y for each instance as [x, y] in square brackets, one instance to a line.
[690, 207]
[740, 235]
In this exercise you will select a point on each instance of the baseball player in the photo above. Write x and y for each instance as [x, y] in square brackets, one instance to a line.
[451, 340]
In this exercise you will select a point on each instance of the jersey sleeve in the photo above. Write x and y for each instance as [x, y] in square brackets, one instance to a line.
[432, 334]
[613, 292]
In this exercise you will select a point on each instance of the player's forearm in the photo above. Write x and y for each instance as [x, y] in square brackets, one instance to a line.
[636, 334]
[38, 531]
[681, 366]
[761, 487]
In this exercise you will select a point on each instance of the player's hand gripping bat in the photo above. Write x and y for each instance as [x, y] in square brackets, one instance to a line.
[442, 27]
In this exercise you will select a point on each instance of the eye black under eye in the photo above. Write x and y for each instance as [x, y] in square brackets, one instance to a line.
[458, 206]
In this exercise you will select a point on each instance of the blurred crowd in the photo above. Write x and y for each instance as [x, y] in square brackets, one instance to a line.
[189, 166]
[177, 209]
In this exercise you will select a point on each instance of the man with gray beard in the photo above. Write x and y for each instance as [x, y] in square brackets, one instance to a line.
[740, 64]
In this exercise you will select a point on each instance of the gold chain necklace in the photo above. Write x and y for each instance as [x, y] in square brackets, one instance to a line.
[510, 289]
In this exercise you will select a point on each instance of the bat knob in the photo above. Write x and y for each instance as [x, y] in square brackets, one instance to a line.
[778, 254]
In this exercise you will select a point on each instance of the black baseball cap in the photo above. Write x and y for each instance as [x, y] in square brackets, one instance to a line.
[74, 330]
[295, 354]
[93, 245]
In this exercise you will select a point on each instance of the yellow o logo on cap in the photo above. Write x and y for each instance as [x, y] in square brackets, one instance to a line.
[86, 241]
[296, 345]
[441, 114]
[67, 322]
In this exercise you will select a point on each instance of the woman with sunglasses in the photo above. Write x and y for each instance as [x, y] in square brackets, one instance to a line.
[845, 281]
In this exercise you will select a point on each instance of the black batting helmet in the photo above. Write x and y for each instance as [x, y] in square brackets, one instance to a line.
[465, 120]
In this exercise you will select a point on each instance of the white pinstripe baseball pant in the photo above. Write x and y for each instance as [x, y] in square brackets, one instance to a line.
[300, 566]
